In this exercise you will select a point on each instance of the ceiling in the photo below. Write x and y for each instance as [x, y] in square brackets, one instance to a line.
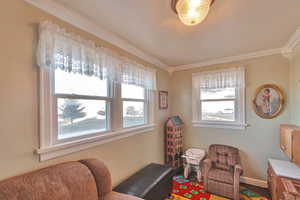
[233, 27]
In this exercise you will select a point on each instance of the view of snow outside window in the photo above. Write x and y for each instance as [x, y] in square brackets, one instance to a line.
[218, 104]
[133, 111]
[78, 117]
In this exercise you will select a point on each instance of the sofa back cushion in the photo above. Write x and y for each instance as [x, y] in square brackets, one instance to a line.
[223, 157]
[68, 181]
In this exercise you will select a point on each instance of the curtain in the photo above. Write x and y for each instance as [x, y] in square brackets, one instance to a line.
[71, 53]
[227, 78]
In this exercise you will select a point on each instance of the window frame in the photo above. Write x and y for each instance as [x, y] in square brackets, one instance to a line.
[51, 146]
[146, 107]
[80, 97]
[55, 96]
[239, 113]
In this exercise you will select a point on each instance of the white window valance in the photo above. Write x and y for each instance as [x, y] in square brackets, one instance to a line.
[69, 52]
[227, 78]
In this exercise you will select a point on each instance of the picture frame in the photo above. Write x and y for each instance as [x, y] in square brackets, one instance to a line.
[163, 100]
[268, 101]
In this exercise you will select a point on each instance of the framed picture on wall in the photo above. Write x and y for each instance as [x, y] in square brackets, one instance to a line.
[268, 101]
[163, 100]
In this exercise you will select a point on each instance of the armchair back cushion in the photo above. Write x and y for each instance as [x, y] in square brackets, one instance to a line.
[223, 157]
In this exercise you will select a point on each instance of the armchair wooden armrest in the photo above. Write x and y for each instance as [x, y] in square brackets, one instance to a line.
[207, 164]
[238, 169]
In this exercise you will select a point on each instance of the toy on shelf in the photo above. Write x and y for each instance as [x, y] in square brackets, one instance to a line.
[193, 158]
[173, 142]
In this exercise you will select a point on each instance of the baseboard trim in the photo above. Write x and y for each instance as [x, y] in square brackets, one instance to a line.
[255, 182]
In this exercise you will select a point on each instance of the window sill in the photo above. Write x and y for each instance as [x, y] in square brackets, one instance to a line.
[220, 125]
[54, 151]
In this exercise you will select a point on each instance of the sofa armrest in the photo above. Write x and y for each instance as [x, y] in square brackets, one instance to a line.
[101, 174]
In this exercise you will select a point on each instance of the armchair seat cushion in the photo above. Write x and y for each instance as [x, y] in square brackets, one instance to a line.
[220, 175]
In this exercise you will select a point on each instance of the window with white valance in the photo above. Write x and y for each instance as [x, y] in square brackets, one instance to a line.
[219, 98]
[59, 49]
[88, 94]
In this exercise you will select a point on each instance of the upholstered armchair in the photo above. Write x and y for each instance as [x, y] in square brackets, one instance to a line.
[222, 171]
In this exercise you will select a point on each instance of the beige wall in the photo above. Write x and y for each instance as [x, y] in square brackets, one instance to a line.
[259, 141]
[295, 86]
[19, 106]
[19, 103]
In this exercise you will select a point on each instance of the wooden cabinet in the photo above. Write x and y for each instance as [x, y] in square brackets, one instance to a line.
[278, 171]
[291, 189]
[290, 142]
[274, 184]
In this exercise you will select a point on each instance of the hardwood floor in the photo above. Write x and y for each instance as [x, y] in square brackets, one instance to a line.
[262, 191]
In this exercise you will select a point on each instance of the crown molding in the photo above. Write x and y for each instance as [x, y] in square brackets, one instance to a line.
[226, 60]
[87, 25]
[287, 50]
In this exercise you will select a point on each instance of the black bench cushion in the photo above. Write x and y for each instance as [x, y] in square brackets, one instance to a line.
[153, 181]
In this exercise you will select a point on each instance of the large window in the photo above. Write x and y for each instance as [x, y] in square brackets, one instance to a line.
[78, 111]
[218, 99]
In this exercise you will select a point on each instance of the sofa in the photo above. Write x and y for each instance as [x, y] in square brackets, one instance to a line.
[222, 171]
[79, 180]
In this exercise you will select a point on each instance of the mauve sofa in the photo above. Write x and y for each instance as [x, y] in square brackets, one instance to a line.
[82, 180]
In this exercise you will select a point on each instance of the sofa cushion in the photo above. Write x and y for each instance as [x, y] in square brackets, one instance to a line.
[220, 175]
[68, 181]
[119, 196]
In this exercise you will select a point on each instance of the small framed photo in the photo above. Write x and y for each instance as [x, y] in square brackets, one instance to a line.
[268, 101]
[163, 100]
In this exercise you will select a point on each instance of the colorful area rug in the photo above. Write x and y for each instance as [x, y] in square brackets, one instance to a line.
[184, 189]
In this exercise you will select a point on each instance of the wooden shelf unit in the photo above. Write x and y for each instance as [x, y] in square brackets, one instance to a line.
[290, 142]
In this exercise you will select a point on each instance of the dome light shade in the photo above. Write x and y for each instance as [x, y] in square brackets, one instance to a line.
[192, 12]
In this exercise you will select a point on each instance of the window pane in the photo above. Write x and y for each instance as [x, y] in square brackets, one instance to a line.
[218, 111]
[80, 117]
[70, 83]
[226, 93]
[133, 113]
[132, 92]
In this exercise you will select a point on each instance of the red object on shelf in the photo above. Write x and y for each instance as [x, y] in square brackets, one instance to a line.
[173, 142]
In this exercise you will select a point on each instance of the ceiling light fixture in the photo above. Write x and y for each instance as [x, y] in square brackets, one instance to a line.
[191, 12]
